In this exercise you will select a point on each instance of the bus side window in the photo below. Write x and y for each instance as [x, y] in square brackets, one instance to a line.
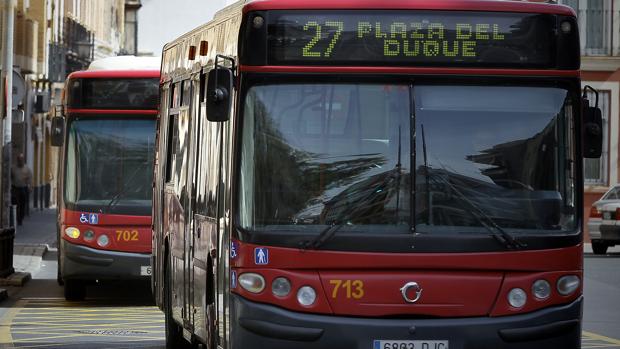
[171, 147]
[172, 135]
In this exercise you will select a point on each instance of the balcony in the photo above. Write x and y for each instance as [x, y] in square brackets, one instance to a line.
[74, 52]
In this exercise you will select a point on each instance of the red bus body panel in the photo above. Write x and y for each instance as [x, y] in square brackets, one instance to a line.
[454, 284]
[125, 233]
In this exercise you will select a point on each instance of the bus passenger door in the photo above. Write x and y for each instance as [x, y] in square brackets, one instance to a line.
[206, 183]
[176, 200]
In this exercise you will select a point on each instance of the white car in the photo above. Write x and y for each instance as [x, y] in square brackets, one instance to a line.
[603, 213]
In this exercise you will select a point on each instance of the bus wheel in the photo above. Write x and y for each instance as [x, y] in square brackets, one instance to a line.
[174, 333]
[599, 247]
[75, 290]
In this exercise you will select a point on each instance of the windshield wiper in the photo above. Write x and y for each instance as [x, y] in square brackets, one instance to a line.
[497, 232]
[358, 210]
[122, 191]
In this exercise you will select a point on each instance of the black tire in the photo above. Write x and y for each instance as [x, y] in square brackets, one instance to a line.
[75, 290]
[174, 332]
[599, 247]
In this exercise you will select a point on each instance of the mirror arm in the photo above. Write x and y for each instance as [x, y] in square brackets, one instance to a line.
[585, 96]
[217, 64]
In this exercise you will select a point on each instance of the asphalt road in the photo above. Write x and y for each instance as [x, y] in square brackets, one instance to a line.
[601, 313]
[120, 315]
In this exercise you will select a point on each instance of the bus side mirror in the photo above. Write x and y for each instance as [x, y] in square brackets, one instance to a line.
[592, 125]
[58, 131]
[219, 94]
[592, 132]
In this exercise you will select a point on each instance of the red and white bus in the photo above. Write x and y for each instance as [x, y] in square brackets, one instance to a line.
[109, 118]
[385, 174]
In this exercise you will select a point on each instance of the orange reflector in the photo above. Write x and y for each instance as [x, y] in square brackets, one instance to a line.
[192, 53]
[594, 212]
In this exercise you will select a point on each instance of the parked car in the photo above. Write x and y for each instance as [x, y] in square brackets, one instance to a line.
[603, 212]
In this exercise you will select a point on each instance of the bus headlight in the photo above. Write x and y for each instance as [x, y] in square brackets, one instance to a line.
[252, 282]
[281, 287]
[103, 240]
[72, 232]
[306, 296]
[541, 289]
[89, 235]
[517, 298]
[568, 284]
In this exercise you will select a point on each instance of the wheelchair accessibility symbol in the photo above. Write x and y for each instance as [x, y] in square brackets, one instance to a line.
[89, 218]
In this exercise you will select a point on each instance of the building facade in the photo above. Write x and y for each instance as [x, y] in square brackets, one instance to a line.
[599, 26]
[53, 38]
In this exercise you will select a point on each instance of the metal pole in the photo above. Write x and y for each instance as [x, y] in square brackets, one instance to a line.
[7, 95]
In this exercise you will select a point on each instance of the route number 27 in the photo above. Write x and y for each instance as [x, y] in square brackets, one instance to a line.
[353, 288]
[308, 51]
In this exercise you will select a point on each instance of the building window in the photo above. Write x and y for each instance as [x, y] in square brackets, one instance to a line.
[595, 22]
[595, 170]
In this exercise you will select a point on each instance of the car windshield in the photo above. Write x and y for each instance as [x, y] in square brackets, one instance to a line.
[109, 165]
[315, 155]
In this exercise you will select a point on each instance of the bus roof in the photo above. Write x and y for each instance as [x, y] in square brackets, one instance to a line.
[120, 67]
[126, 63]
[459, 5]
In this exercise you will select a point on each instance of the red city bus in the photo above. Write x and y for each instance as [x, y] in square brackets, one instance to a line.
[373, 174]
[105, 172]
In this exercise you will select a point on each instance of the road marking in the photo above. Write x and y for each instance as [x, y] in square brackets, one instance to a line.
[5, 325]
[40, 323]
[592, 340]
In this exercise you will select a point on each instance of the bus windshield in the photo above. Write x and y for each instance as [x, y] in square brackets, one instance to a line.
[316, 155]
[109, 165]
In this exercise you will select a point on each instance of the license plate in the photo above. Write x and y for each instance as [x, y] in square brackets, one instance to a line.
[389, 344]
[606, 215]
[145, 270]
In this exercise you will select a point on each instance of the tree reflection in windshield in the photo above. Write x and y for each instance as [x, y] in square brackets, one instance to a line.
[506, 155]
[317, 151]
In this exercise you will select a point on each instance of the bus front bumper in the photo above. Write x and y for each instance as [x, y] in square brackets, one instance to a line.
[264, 326]
[85, 263]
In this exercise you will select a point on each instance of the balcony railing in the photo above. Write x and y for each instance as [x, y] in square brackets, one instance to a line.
[74, 52]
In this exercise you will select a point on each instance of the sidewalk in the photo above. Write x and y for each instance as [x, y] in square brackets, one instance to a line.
[38, 229]
[32, 239]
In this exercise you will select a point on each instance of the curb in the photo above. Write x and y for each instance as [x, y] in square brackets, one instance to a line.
[16, 279]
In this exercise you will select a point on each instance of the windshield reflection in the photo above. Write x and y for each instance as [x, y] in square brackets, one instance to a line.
[109, 165]
[319, 150]
[315, 155]
[503, 152]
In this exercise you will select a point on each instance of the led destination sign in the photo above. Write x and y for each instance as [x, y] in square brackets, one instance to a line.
[408, 37]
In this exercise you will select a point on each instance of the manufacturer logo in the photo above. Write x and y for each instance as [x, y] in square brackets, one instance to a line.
[411, 288]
